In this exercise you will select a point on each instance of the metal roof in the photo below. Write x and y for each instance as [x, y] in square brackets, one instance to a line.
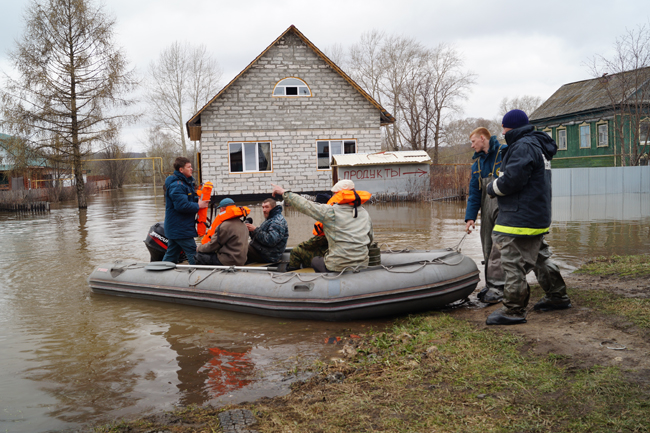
[591, 95]
[381, 158]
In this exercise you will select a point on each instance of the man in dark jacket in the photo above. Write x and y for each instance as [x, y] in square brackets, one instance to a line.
[229, 244]
[269, 240]
[181, 206]
[523, 191]
[487, 163]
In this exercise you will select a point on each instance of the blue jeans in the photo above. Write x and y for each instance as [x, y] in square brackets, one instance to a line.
[174, 247]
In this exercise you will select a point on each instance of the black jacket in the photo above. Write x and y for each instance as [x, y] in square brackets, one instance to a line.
[523, 188]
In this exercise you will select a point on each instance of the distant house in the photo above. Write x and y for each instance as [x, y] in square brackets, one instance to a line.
[582, 119]
[32, 173]
[282, 119]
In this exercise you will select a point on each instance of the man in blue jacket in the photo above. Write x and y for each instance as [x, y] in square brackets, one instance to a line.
[523, 191]
[269, 240]
[181, 205]
[487, 163]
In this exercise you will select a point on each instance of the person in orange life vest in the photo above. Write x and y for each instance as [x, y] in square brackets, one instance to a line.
[181, 206]
[228, 245]
[302, 254]
[346, 224]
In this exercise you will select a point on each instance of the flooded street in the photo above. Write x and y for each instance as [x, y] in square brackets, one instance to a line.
[71, 357]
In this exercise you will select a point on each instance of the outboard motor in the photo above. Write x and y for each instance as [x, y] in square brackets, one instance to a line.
[156, 243]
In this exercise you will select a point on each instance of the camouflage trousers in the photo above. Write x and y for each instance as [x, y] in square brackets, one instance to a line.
[520, 255]
[303, 253]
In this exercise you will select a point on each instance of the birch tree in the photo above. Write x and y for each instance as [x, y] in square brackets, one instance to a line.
[180, 82]
[70, 81]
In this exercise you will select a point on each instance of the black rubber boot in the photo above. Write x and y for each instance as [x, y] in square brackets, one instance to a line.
[482, 293]
[493, 296]
[503, 317]
[549, 304]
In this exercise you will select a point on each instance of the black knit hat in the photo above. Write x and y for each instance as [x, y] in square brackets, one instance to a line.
[514, 119]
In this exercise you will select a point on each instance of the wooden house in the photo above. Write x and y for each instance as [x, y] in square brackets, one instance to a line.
[594, 121]
[282, 119]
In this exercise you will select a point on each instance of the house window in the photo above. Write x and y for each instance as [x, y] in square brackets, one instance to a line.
[644, 131]
[561, 139]
[549, 132]
[603, 135]
[249, 157]
[325, 150]
[291, 87]
[585, 137]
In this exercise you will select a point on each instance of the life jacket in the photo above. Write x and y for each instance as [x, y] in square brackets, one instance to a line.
[350, 196]
[230, 213]
[204, 193]
[318, 229]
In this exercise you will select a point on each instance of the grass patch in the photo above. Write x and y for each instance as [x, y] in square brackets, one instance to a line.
[634, 266]
[435, 373]
[635, 310]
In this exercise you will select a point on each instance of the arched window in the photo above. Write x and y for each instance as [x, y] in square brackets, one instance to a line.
[291, 87]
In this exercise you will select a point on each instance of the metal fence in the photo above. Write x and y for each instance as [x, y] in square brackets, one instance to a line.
[568, 182]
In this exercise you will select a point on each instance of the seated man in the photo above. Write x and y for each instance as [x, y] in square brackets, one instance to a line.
[302, 255]
[226, 243]
[346, 224]
[269, 240]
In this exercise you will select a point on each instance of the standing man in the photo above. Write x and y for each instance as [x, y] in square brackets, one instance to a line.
[269, 240]
[487, 163]
[523, 191]
[181, 206]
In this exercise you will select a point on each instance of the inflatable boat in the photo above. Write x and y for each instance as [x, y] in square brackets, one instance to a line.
[406, 281]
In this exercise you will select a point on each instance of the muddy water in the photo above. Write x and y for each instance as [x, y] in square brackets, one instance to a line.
[70, 357]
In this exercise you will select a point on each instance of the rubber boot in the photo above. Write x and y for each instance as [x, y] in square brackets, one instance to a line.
[482, 293]
[549, 304]
[504, 317]
[493, 296]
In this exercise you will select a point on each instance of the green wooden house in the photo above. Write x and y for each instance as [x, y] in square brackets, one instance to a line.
[593, 121]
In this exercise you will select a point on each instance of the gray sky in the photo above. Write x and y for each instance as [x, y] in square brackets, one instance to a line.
[515, 47]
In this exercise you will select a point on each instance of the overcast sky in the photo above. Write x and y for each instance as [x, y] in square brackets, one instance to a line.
[515, 47]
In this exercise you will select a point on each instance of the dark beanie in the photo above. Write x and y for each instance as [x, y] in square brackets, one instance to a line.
[514, 119]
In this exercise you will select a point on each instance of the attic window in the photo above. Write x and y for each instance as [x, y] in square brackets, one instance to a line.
[291, 87]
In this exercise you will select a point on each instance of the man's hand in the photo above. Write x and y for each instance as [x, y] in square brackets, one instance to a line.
[470, 223]
[277, 190]
[203, 204]
[250, 227]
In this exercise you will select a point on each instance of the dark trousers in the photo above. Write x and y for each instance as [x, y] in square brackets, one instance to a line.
[318, 263]
[207, 259]
[253, 256]
[174, 248]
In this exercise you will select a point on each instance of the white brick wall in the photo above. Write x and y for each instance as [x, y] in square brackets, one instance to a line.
[246, 111]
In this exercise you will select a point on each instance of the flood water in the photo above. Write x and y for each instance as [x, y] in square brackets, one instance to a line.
[71, 358]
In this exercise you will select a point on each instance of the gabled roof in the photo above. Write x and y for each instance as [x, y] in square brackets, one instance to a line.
[386, 117]
[381, 158]
[592, 95]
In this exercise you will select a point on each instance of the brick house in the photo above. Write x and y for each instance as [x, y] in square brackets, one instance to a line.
[281, 120]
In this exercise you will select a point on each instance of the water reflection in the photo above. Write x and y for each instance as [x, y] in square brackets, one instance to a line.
[71, 357]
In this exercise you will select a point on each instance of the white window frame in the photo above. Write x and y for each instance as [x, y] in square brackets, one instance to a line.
[602, 143]
[588, 135]
[549, 132]
[329, 146]
[280, 88]
[561, 138]
[257, 161]
[644, 121]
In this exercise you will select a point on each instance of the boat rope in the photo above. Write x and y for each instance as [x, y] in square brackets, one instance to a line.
[438, 260]
[457, 246]
[200, 280]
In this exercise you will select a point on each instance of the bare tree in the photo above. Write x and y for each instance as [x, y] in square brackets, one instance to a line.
[337, 54]
[161, 144]
[183, 79]
[527, 103]
[70, 85]
[114, 167]
[626, 79]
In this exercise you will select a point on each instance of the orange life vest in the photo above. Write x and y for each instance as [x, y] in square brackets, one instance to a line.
[318, 229]
[230, 213]
[204, 193]
[350, 196]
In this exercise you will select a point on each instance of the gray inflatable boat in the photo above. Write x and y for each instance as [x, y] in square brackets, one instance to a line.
[407, 281]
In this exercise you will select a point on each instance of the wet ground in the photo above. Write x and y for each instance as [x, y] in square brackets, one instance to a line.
[71, 357]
